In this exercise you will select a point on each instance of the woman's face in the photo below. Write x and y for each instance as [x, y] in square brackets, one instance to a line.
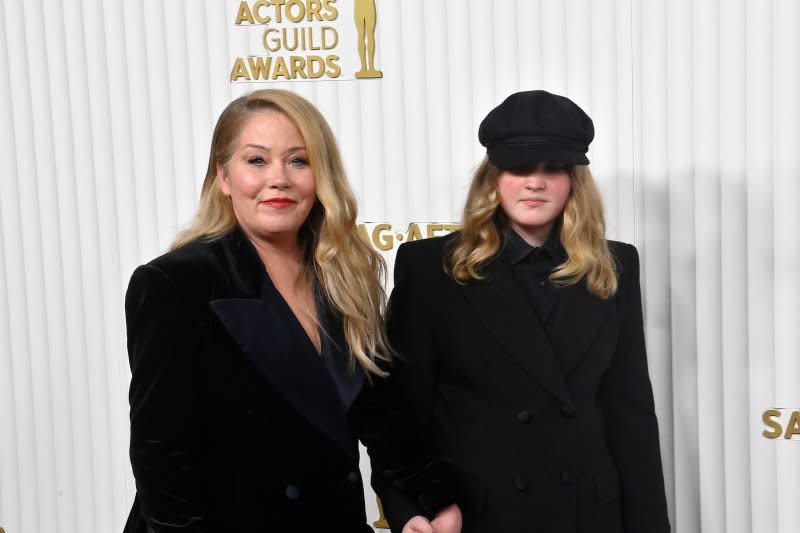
[269, 179]
[533, 198]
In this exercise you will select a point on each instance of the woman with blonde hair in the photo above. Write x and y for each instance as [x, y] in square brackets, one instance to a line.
[521, 340]
[257, 347]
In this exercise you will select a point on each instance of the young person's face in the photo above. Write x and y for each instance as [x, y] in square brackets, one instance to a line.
[269, 179]
[533, 198]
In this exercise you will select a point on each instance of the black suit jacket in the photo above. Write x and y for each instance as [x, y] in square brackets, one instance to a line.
[552, 430]
[236, 421]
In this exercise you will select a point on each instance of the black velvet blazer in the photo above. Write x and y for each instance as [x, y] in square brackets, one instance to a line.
[237, 423]
[552, 427]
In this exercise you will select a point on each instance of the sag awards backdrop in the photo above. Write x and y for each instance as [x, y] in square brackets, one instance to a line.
[106, 113]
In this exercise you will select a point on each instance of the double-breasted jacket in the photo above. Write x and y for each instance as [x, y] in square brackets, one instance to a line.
[552, 427]
[238, 424]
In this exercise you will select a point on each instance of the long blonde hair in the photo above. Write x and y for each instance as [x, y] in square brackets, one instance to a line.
[346, 267]
[582, 233]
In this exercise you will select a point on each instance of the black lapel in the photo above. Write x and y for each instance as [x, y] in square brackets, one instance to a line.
[501, 305]
[577, 321]
[276, 344]
[348, 378]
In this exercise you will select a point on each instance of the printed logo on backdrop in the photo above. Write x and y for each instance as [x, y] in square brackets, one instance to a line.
[781, 423]
[296, 40]
[384, 237]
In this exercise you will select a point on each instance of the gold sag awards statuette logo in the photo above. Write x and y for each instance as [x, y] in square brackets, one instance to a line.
[774, 423]
[293, 40]
[365, 17]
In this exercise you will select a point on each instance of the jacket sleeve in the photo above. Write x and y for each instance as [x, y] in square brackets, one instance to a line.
[410, 478]
[164, 403]
[627, 399]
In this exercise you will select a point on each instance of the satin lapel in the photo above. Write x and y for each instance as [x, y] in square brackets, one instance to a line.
[277, 346]
[577, 321]
[334, 354]
[502, 307]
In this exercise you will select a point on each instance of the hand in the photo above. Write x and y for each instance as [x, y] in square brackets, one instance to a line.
[418, 524]
[448, 520]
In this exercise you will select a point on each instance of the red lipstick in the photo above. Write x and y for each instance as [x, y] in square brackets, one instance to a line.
[279, 203]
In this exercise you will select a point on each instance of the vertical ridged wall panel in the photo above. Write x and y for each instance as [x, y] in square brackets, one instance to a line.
[760, 249]
[732, 167]
[786, 194]
[107, 110]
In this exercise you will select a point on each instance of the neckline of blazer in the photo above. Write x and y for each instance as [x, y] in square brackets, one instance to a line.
[284, 356]
[500, 304]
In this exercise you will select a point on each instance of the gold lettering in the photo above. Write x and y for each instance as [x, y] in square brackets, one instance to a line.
[244, 14]
[281, 70]
[239, 70]
[331, 13]
[278, 13]
[334, 35]
[311, 45]
[793, 427]
[316, 67]
[298, 67]
[301, 14]
[414, 234]
[313, 10]
[767, 418]
[259, 67]
[433, 228]
[295, 39]
[273, 44]
[334, 70]
[362, 232]
[450, 228]
[285, 35]
[382, 242]
[257, 11]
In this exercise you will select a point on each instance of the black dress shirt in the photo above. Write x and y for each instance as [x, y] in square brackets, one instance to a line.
[531, 265]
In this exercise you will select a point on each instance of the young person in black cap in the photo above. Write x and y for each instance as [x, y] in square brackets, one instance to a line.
[521, 340]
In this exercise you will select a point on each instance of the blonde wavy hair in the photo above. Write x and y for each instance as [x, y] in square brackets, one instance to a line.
[347, 269]
[582, 233]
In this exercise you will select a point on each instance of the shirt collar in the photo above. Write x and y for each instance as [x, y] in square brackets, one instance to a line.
[518, 249]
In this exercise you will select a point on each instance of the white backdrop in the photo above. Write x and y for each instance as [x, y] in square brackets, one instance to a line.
[106, 113]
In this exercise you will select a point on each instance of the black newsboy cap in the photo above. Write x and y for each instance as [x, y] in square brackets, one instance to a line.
[533, 127]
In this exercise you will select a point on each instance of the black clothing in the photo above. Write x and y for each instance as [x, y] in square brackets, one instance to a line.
[238, 425]
[531, 266]
[531, 127]
[550, 432]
